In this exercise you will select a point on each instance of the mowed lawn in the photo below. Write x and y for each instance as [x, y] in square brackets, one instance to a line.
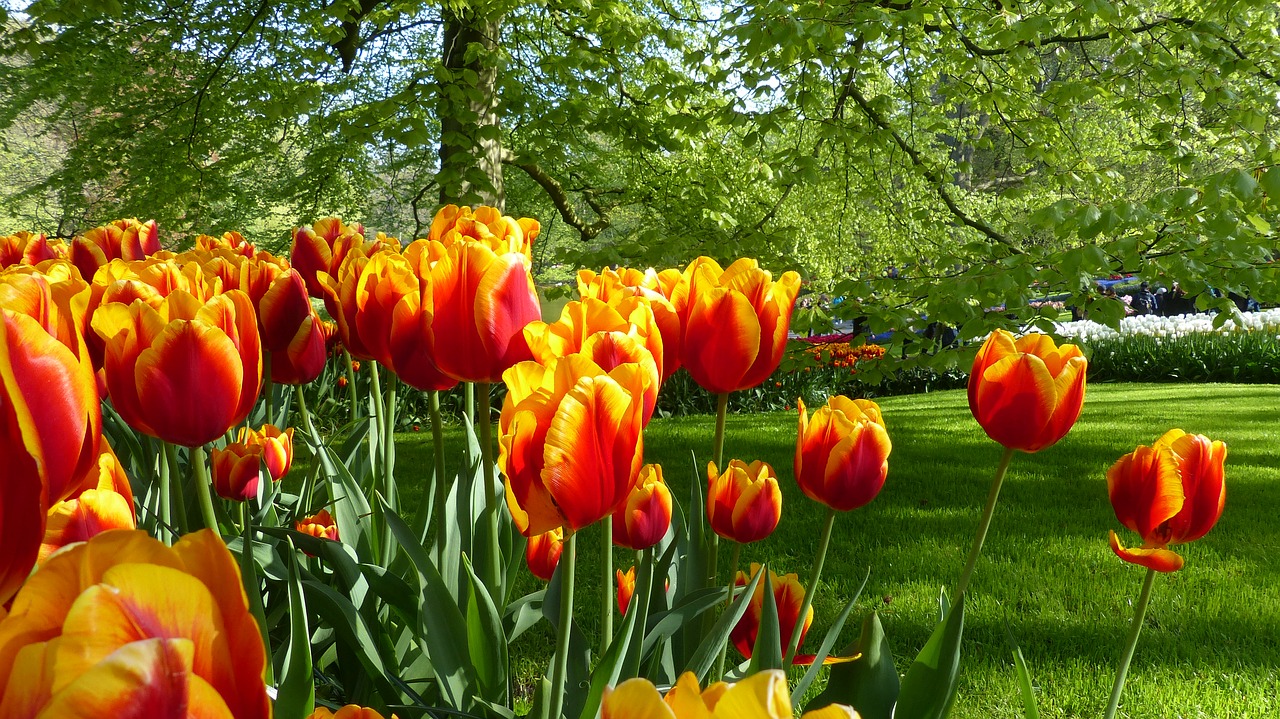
[1047, 579]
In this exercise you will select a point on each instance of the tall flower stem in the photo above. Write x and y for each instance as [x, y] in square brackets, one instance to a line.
[164, 511]
[713, 556]
[351, 386]
[469, 402]
[389, 439]
[985, 523]
[1139, 613]
[437, 488]
[733, 582]
[267, 385]
[606, 575]
[375, 419]
[493, 499]
[178, 510]
[200, 476]
[559, 669]
[811, 591]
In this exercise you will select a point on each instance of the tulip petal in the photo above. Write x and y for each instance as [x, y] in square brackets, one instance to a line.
[193, 378]
[857, 467]
[1161, 560]
[763, 695]
[634, 699]
[721, 340]
[832, 711]
[685, 698]
[1201, 468]
[1146, 490]
[505, 302]
[31, 682]
[1015, 400]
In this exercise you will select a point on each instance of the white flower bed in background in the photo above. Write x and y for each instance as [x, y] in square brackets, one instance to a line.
[1176, 326]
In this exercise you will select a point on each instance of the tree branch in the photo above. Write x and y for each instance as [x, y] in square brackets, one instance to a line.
[560, 198]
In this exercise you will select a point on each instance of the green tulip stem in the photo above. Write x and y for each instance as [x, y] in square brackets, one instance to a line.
[376, 427]
[493, 499]
[559, 669]
[1139, 613]
[793, 644]
[733, 582]
[351, 386]
[437, 488]
[606, 570]
[200, 476]
[178, 509]
[985, 524]
[469, 402]
[713, 557]
[267, 385]
[389, 440]
[164, 523]
[304, 412]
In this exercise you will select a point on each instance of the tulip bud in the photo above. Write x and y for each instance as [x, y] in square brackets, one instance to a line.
[542, 553]
[644, 517]
[842, 453]
[237, 473]
[320, 525]
[1026, 392]
[626, 588]
[277, 448]
[744, 503]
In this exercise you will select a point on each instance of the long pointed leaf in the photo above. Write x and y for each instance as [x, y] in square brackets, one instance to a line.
[929, 688]
[869, 683]
[709, 649]
[297, 692]
[767, 652]
[827, 642]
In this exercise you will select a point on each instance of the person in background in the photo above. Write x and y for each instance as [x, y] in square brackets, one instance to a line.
[1162, 303]
[1144, 303]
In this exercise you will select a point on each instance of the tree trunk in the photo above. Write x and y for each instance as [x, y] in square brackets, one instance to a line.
[470, 133]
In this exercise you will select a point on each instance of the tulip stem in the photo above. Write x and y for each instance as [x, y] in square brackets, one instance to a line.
[469, 402]
[179, 516]
[200, 476]
[437, 488]
[267, 385]
[606, 566]
[733, 582]
[793, 643]
[722, 409]
[985, 523]
[492, 499]
[559, 669]
[389, 442]
[375, 420]
[1139, 613]
[164, 524]
[351, 386]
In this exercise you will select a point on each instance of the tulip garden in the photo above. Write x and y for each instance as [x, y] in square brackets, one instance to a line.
[185, 538]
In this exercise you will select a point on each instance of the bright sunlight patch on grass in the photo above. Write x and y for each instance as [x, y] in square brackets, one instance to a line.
[1211, 644]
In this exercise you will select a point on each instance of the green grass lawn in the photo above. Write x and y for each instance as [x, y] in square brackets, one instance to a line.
[1211, 644]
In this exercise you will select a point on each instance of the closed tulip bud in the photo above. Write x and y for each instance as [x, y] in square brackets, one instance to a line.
[1169, 493]
[237, 471]
[320, 525]
[788, 595]
[763, 695]
[626, 588]
[736, 323]
[842, 453]
[570, 444]
[277, 447]
[184, 371]
[744, 503]
[291, 330]
[1026, 392]
[122, 625]
[644, 517]
[542, 553]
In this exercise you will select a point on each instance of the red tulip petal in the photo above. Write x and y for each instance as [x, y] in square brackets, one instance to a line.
[1161, 560]
[1145, 489]
[721, 340]
[192, 378]
[1015, 400]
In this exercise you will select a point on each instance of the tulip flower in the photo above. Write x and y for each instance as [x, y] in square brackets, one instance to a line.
[542, 553]
[118, 240]
[744, 503]
[614, 286]
[50, 431]
[237, 471]
[737, 323]
[55, 297]
[842, 453]
[486, 225]
[104, 501]
[643, 518]
[1026, 392]
[28, 248]
[609, 334]
[763, 695]
[789, 597]
[410, 342]
[185, 371]
[320, 525]
[277, 447]
[570, 441]
[1169, 493]
[122, 625]
[626, 588]
[322, 247]
[481, 302]
[339, 293]
[350, 711]
[232, 241]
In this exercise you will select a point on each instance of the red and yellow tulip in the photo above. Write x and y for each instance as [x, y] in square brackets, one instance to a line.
[570, 441]
[1169, 493]
[1026, 392]
[122, 625]
[104, 501]
[481, 302]
[542, 553]
[613, 286]
[643, 518]
[486, 225]
[788, 595]
[50, 432]
[320, 525]
[277, 447]
[763, 695]
[231, 241]
[29, 248]
[183, 371]
[626, 588]
[119, 240]
[237, 471]
[744, 503]
[842, 453]
[735, 331]
[322, 247]
[55, 297]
